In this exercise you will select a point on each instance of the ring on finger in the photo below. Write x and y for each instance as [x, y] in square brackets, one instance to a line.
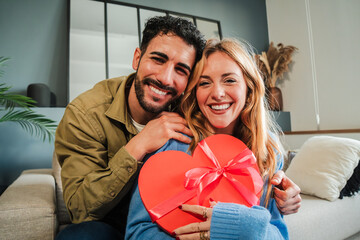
[204, 235]
[204, 214]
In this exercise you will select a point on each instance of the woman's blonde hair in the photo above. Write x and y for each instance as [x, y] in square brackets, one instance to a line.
[254, 123]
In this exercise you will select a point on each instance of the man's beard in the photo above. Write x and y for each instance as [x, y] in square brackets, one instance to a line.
[139, 90]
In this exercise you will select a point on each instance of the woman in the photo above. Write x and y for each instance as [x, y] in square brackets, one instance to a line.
[225, 95]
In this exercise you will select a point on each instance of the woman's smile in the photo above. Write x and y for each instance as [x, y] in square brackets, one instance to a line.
[219, 107]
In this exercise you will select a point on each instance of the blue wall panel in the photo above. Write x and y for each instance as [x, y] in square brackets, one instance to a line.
[20, 151]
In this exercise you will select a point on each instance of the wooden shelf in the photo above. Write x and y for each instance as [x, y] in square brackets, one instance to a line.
[323, 131]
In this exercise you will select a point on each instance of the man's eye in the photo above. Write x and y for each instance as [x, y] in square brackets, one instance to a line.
[182, 71]
[159, 60]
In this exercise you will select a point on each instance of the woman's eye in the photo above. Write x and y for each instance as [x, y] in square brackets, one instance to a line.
[230, 80]
[203, 84]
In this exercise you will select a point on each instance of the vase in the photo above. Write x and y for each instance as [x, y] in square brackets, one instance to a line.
[275, 99]
[40, 93]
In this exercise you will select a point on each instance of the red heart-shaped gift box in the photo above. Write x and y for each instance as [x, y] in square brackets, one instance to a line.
[161, 180]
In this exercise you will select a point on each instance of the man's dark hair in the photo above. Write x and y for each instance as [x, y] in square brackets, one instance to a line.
[178, 26]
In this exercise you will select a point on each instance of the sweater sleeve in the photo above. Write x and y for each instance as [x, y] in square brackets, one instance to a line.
[235, 221]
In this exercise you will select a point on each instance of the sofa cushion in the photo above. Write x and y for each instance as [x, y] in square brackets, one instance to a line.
[324, 164]
[27, 207]
[62, 213]
[321, 219]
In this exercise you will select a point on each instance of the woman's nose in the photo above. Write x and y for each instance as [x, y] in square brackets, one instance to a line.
[218, 92]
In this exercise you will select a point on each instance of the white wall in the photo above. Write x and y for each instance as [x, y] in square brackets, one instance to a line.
[324, 77]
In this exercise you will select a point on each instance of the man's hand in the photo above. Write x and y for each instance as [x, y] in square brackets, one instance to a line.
[157, 132]
[286, 193]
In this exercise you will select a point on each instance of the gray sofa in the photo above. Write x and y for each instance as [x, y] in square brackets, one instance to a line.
[33, 208]
[322, 219]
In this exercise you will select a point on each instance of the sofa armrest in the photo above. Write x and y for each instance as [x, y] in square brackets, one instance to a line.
[28, 207]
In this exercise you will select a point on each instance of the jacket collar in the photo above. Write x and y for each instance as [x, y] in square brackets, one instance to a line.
[118, 109]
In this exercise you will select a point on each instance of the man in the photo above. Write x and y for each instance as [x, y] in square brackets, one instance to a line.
[106, 131]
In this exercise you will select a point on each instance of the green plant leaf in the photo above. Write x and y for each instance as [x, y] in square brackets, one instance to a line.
[3, 60]
[35, 124]
[10, 100]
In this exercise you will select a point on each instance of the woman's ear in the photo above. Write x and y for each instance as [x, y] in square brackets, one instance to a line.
[136, 59]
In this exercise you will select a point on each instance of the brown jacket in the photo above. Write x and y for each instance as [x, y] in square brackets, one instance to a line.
[97, 171]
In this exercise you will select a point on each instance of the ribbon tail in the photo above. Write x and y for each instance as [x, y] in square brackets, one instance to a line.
[205, 191]
[248, 195]
[206, 149]
[243, 160]
[257, 180]
[170, 204]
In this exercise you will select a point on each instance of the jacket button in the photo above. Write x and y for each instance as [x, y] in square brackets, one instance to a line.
[130, 169]
[112, 194]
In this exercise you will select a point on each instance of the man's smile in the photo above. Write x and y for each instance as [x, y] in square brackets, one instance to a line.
[159, 88]
[157, 91]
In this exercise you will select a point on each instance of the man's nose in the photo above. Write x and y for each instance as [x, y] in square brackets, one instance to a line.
[166, 75]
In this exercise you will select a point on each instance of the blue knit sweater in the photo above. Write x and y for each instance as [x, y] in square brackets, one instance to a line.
[229, 220]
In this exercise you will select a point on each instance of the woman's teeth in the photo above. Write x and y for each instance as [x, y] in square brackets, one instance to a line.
[220, 107]
[157, 91]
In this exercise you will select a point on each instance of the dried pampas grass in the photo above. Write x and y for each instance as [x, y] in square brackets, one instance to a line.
[275, 62]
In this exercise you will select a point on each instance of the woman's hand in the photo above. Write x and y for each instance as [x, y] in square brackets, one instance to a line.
[198, 230]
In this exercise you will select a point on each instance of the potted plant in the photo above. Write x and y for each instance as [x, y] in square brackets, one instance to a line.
[35, 124]
[273, 64]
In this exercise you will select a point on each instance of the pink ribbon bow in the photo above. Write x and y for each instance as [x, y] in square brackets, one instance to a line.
[205, 179]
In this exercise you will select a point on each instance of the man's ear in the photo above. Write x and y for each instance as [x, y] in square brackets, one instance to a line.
[136, 59]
